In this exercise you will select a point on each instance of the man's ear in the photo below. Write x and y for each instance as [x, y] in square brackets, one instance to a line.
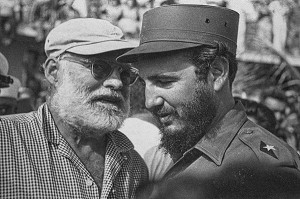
[51, 70]
[220, 72]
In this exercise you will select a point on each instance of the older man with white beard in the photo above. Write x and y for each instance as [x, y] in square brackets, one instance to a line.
[70, 146]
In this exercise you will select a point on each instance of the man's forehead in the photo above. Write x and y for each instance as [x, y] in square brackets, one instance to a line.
[145, 73]
[169, 65]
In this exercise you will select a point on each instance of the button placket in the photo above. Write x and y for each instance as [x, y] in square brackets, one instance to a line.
[125, 157]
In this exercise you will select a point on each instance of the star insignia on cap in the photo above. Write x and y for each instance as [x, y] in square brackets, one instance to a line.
[268, 149]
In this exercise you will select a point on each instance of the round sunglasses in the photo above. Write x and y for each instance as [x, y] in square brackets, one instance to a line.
[101, 69]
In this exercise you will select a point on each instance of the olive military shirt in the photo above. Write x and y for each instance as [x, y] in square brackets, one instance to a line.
[234, 140]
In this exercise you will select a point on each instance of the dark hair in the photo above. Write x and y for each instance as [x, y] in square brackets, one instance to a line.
[204, 56]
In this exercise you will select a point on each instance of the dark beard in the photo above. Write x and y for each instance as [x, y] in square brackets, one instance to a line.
[197, 116]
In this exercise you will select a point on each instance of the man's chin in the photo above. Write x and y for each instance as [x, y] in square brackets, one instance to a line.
[98, 127]
[178, 138]
[116, 108]
[94, 120]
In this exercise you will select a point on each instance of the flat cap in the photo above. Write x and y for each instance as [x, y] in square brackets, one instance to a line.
[85, 36]
[182, 26]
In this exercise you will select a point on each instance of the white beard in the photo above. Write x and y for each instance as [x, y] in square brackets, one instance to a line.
[73, 105]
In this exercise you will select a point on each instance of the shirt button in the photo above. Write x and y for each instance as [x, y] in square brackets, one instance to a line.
[89, 182]
[248, 131]
[125, 157]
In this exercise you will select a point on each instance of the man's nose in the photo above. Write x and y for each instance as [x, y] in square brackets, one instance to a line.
[113, 81]
[152, 98]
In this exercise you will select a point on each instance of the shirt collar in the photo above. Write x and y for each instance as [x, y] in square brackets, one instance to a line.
[119, 140]
[50, 130]
[225, 130]
[122, 143]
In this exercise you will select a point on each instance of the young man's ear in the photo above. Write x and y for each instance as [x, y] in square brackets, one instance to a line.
[51, 70]
[220, 72]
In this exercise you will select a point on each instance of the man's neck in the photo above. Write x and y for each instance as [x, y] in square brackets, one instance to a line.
[91, 152]
[224, 108]
[85, 147]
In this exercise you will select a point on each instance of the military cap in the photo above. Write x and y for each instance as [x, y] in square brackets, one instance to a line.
[182, 26]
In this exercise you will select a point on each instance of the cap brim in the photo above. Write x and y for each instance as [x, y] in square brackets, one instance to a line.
[154, 47]
[102, 47]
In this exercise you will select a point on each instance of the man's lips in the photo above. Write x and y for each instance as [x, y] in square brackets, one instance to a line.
[164, 112]
[164, 117]
[108, 99]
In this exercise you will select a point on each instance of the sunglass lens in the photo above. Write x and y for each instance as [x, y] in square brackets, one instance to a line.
[128, 76]
[101, 70]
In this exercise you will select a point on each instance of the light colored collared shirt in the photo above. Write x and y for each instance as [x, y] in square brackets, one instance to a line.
[37, 162]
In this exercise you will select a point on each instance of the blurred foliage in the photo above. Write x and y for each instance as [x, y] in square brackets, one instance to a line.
[274, 85]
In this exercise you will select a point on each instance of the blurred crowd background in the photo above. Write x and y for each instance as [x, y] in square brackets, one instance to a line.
[268, 50]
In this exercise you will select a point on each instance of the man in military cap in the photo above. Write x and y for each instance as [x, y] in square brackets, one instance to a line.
[70, 147]
[186, 59]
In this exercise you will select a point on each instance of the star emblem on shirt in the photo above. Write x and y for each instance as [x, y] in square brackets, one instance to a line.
[269, 147]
